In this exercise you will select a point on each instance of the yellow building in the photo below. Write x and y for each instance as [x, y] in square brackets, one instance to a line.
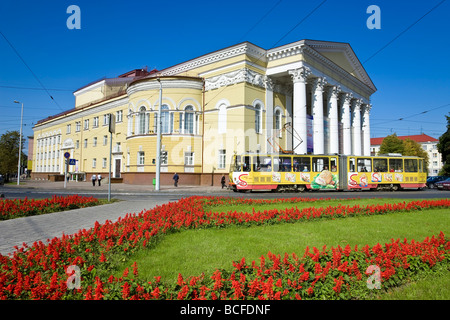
[305, 97]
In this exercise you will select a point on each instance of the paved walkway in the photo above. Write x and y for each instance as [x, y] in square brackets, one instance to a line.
[15, 232]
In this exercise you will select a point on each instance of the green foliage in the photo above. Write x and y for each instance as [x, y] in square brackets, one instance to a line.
[9, 152]
[392, 144]
[444, 149]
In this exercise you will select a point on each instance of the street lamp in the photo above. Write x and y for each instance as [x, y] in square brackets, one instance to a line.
[20, 143]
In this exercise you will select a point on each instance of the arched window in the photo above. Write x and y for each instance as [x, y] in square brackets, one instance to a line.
[165, 119]
[189, 120]
[258, 118]
[278, 119]
[142, 124]
[222, 119]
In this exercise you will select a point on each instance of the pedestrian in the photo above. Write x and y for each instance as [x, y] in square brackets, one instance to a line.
[223, 181]
[93, 178]
[175, 179]
[99, 178]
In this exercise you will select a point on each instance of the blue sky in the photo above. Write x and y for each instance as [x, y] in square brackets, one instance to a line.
[411, 73]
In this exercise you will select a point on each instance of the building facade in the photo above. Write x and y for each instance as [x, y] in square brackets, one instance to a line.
[307, 97]
[429, 144]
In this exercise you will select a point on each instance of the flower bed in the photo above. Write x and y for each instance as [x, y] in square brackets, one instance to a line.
[39, 271]
[16, 208]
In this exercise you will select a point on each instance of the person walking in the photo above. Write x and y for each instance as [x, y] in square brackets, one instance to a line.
[223, 181]
[99, 178]
[175, 179]
[93, 178]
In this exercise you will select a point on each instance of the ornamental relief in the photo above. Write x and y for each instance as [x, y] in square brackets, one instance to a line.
[242, 75]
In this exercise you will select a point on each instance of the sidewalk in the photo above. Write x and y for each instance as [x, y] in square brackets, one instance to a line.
[115, 187]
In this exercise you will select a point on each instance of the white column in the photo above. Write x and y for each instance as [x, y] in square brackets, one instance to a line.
[299, 78]
[356, 127]
[268, 84]
[289, 135]
[317, 111]
[333, 130]
[366, 129]
[345, 123]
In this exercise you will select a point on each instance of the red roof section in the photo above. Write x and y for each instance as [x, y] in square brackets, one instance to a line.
[417, 138]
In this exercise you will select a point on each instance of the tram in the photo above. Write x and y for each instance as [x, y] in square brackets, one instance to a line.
[298, 173]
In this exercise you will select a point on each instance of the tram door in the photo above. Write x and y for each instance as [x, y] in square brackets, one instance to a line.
[343, 170]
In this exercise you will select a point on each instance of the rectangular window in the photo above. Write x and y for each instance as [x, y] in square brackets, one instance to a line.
[104, 162]
[86, 124]
[105, 140]
[284, 164]
[85, 143]
[302, 164]
[188, 158]
[411, 165]
[95, 124]
[94, 162]
[77, 126]
[364, 165]
[320, 164]
[77, 144]
[68, 128]
[395, 165]
[95, 142]
[237, 164]
[106, 119]
[141, 158]
[380, 165]
[222, 158]
[119, 115]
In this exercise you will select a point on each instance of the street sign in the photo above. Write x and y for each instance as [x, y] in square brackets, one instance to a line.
[72, 162]
[66, 155]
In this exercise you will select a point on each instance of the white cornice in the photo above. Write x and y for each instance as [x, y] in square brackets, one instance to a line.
[89, 88]
[153, 84]
[243, 48]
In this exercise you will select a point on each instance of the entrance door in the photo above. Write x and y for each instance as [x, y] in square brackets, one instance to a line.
[117, 169]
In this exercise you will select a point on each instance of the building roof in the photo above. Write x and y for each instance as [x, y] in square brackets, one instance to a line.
[420, 138]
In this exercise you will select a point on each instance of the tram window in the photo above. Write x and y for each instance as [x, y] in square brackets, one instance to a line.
[380, 165]
[333, 163]
[285, 164]
[246, 166]
[237, 164]
[320, 164]
[421, 165]
[364, 165]
[262, 164]
[302, 164]
[351, 165]
[276, 164]
[411, 165]
[395, 165]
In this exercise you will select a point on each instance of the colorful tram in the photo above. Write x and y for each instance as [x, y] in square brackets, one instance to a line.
[291, 172]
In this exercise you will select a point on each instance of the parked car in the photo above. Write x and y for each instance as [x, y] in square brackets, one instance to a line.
[431, 181]
[443, 185]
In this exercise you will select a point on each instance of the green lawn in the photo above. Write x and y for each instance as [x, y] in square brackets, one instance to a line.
[192, 252]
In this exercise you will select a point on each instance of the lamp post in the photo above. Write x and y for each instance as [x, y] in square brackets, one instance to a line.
[158, 140]
[20, 143]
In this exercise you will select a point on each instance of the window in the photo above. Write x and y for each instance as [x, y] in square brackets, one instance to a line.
[284, 164]
[262, 164]
[236, 166]
[141, 158]
[165, 119]
[258, 118]
[188, 158]
[411, 165]
[105, 140]
[95, 123]
[68, 129]
[320, 164]
[77, 126]
[222, 158]
[380, 165]
[119, 116]
[395, 165]
[142, 125]
[364, 165]
[222, 119]
[95, 142]
[278, 119]
[302, 164]
[104, 162]
[86, 124]
[105, 119]
[77, 144]
[85, 143]
[189, 120]
[94, 162]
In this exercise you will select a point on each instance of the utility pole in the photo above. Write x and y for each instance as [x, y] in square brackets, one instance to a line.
[158, 141]
[20, 144]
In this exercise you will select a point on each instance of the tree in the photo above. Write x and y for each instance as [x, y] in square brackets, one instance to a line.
[444, 149]
[9, 153]
[392, 144]
[413, 148]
